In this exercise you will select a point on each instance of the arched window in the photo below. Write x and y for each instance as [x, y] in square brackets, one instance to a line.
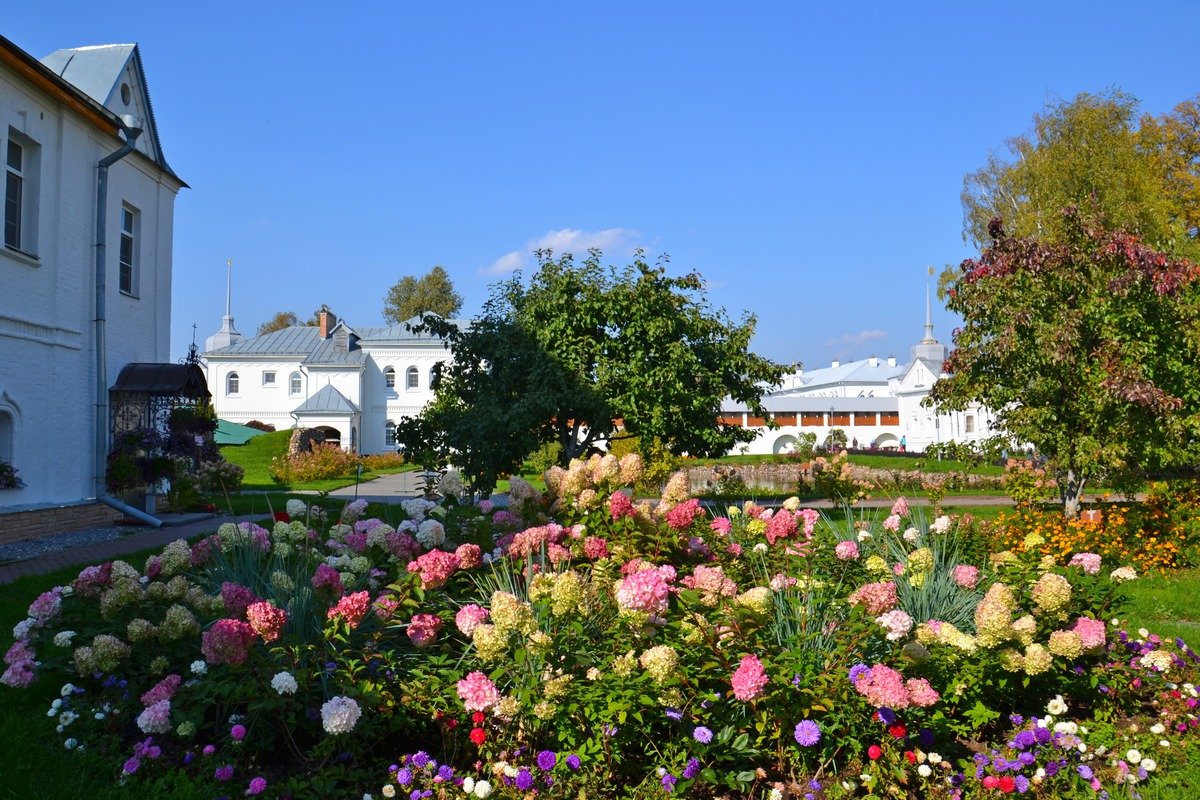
[969, 424]
[295, 385]
[412, 378]
[389, 378]
[232, 383]
[389, 434]
[6, 437]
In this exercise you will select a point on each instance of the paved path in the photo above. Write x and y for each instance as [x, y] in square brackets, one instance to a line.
[384, 489]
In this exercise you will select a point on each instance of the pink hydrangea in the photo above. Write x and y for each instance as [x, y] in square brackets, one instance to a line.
[470, 617]
[966, 576]
[163, 690]
[710, 582]
[356, 541]
[529, 541]
[781, 526]
[897, 623]
[721, 525]
[683, 515]
[749, 679]
[227, 642]
[595, 548]
[809, 517]
[1089, 562]
[401, 545]
[19, 675]
[477, 691]
[423, 629]
[921, 693]
[434, 567]
[92, 580]
[876, 597]
[883, 687]
[156, 718]
[351, 607]
[266, 619]
[326, 577]
[237, 598]
[620, 506]
[847, 550]
[646, 591]
[153, 567]
[892, 523]
[47, 607]
[469, 556]
[201, 552]
[385, 606]
[1091, 633]
[900, 507]
[20, 651]
[557, 554]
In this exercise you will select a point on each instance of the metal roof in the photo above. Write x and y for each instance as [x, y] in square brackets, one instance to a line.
[296, 340]
[327, 401]
[326, 353]
[853, 372]
[305, 340]
[783, 404]
[184, 380]
[403, 332]
[232, 433]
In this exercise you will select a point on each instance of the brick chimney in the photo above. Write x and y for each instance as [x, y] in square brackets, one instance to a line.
[326, 321]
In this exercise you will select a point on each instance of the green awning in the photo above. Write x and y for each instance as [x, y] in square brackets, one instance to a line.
[232, 433]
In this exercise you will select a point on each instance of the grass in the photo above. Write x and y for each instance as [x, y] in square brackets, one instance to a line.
[876, 462]
[255, 458]
[1167, 604]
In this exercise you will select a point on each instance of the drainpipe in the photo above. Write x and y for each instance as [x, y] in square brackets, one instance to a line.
[132, 131]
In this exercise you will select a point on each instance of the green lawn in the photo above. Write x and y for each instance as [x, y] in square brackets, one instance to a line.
[1167, 604]
[255, 458]
[876, 462]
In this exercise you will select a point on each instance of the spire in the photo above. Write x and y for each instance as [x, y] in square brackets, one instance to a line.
[928, 313]
[228, 334]
[929, 349]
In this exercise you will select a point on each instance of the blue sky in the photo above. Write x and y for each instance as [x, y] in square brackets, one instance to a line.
[806, 159]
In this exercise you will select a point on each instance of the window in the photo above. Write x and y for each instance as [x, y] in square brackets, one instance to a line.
[20, 193]
[412, 378]
[295, 385]
[6, 437]
[969, 424]
[269, 377]
[231, 383]
[389, 434]
[128, 255]
[389, 378]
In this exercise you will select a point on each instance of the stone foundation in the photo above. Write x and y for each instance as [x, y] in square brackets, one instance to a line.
[18, 525]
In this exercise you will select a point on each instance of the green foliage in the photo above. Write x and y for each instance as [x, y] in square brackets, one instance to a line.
[836, 440]
[411, 297]
[9, 479]
[279, 321]
[543, 458]
[1089, 350]
[323, 462]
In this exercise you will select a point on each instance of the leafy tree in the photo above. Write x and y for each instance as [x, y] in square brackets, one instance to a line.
[1089, 349]
[585, 354]
[413, 297]
[281, 320]
[1091, 152]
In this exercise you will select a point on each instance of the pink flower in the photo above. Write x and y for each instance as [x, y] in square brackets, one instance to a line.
[529, 541]
[156, 718]
[401, 545]
[892, 523]
[683, 515]
[883, 687]
[1090, 562]
[557, 554]
[237, 733]
[620, 506]
[477, 691]
[781, 526]
[163, 690]
[900, 507]
[897, 622]
[847, 550]
[237, 597]
[646, 591]
[227, 642]
[749, 679]
[966, 576]
[351, 607]
[711, 583]
[721, 525]
[435, 568]
[469, 556]
[356, 541]
[921, 693]
[595, 548]
[385, 606]
[19, 652]
[19, 675]
[153, 567]
[423, 629]
[257, 786]
[485, 506]
[326, 577]
[876, 597]
[470, 617]
[1091, 633]
[266, 620]
[810, 517]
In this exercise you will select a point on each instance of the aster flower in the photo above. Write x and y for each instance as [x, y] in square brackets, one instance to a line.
[807, 733]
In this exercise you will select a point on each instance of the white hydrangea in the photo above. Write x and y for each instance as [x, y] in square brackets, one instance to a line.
[199, 667]
[911, 535]
[431, 534]
[21, 629]
[340, 715]
[1122, 574]
[451, 484]
[417, 507]
[296, 508]
[940, 525]
[67, 689]
[284, 683]
[63, 638]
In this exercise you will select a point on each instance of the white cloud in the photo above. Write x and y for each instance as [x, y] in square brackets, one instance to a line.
[848, 344]
[567, 240]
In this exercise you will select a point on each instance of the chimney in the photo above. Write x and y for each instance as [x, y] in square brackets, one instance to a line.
[327, 322]
[891, 361]
[873, 361]
[835, 365]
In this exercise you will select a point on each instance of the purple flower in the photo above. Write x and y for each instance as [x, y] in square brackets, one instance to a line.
[524, 780]
[887, 716]
[1022, 784]
[188, 758]
[131, 766]
[702, 734]
[573, 761]
[857, 670]
[807, 733]
[1085, 772]
[674, 713]
[669, 781]
[404, 776]
[420, 759]
[223, 773]
[445, 773]
[257, 786]
[692, 769]
[546, 760]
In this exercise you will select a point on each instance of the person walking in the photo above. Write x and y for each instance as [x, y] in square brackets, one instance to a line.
[903, 444]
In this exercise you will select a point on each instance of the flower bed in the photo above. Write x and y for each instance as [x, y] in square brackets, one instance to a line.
[581, 644]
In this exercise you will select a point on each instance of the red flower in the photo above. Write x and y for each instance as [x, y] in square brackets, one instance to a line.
[911, 756]
[1007, 784]
[478, 717]
[282, 516]
[478, 736]
[898, 731]
[874, 752]
[452, 723]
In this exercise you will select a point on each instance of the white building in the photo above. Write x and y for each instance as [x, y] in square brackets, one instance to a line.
[354, 384]
[60, 117]
[876, 402]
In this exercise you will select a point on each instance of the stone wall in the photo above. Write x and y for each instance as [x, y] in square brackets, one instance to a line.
[18, 525]
[778, 477]
[303, 439]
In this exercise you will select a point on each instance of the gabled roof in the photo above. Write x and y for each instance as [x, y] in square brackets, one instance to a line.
[328, 401]
[100, 72]
[403, 332]
[296, 340]
[305, 341]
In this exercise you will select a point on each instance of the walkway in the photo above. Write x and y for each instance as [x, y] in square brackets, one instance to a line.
[384, 489]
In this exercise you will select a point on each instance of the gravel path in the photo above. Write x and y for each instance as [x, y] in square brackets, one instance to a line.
[32, 548]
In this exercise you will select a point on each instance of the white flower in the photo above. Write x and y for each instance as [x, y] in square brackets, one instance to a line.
[940, 525]
[1133, 756]
[468, 784]
[760, 548]
[100, 715]
[57, 704]
[1057, 706]
[1144, 633]
[390, 791]
[911, 535]
[296, 508]
[21, 629]
[199, 667]
[1163, 743]
[482, 788]
[71, 744]
[924, 770]
[63, 638]
[51, 712]
[864, 535]
[431, 534]
[284, 683]
[1122, 574]
[340, 715]
[775, 794]
[935, 758]
[1157, 728]
[67, 689]
[792, 503]
[1149, 764]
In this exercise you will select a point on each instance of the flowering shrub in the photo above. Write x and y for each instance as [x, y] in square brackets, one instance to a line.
[324, 461]
[582, 644]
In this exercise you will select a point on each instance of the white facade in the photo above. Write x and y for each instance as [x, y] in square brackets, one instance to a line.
[53, 132]
[283, 379]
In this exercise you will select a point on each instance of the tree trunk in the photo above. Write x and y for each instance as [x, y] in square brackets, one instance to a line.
[1070, 489]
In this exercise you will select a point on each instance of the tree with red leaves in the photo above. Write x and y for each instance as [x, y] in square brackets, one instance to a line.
[1087, 347]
